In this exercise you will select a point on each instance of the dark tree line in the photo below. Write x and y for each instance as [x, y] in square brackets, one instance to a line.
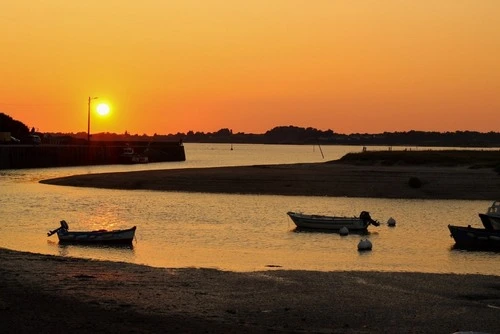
[282, 135]
[299, 135]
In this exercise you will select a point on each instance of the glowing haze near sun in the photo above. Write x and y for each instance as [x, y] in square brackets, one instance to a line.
[176, 66]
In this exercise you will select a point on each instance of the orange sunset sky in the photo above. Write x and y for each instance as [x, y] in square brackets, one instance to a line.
[173, 66]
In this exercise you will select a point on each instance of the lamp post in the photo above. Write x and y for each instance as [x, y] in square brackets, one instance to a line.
[88, 119]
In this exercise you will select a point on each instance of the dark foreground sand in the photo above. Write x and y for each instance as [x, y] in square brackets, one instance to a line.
[59, 295]
[52, 294]
[320, 179]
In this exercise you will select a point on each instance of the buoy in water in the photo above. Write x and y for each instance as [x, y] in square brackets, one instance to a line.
[344, 230]
[364, 245]
[391, 222]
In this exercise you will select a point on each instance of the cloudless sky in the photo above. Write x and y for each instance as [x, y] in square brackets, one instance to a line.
[173, 66]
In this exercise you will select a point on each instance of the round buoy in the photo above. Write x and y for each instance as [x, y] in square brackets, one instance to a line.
[364, 245]
[344, 230]
[391, 222]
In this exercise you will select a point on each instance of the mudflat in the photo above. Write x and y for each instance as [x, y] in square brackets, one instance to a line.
[50, 294]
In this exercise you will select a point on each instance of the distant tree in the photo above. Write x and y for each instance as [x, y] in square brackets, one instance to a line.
[223, 133]
[294, 134]
[15, 127]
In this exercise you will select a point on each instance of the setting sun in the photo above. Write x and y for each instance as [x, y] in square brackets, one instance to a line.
[103, 109]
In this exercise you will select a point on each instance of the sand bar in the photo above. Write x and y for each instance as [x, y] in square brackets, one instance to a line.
[315, 179]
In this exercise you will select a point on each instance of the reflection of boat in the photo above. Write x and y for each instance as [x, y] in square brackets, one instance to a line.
[333, 223]
[475, 238]
[491, 219]
[93, 237]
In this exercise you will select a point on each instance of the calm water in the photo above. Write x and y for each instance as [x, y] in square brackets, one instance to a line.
[236, 232]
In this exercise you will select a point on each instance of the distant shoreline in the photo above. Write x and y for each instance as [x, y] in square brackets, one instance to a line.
[307, 179]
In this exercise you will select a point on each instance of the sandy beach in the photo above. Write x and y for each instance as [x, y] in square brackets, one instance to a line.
[42, 293]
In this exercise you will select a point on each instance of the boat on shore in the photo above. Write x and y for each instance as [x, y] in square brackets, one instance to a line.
[125, 236]
[333, 223]
[475, 238]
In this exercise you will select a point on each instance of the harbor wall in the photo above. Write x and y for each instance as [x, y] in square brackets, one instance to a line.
[97, 153]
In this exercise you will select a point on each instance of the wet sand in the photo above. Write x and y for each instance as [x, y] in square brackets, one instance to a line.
[42, 293]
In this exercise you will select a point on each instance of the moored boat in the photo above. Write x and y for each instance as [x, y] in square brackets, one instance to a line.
[490, 222]
[333, 223]
[125, 236]
[129, 156]
[491, 219]
[475, 238]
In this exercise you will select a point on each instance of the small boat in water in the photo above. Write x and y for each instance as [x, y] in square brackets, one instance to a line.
[333, 223]
[93, 237]
[475, 238]
[491, 219]
[129, 156]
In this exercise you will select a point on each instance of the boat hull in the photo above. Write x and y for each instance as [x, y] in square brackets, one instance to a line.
[475, 238]
[97, 237]
[330, 223]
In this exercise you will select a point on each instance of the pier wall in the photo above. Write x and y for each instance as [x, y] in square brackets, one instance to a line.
[97, 153]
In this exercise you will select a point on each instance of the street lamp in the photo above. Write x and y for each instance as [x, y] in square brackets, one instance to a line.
[88, 119]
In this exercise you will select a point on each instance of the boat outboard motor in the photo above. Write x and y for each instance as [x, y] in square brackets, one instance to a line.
[365, 216]
[64, 225]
